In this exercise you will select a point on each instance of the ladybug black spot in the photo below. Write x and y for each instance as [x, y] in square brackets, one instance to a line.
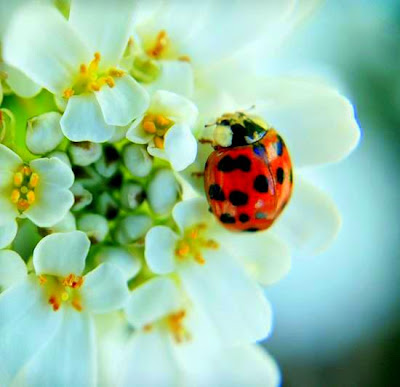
[280, 175]
[252, 229]
[228, 164]
[244, 218]
[238, 198]
[261, 183]
[227, 218]
[243, 163]
[215, 192]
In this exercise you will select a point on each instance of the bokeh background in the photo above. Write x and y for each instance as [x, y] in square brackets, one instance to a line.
[337, 315]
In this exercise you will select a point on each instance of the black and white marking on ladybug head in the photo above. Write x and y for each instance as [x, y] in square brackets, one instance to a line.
[238, 129]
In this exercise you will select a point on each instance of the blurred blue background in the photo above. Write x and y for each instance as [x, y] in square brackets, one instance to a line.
[337, 315]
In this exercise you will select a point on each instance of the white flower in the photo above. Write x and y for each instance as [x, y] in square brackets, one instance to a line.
[83, 69]
[174, 344]
[217, 271]
[46, 326]
[38, 191]
[166, 127]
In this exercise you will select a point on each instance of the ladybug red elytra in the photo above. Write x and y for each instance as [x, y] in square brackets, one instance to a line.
[248, 177]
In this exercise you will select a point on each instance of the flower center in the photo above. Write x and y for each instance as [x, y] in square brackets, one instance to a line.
[158, 125]
[91, 79]
[23, 194]
[191, 245]
[173, 323]
[59, 290]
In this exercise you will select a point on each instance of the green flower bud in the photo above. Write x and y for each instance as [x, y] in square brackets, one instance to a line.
[84, 153]
[95, 226]
[82, 197]
[132, 195]
[137, 160]
[132, 229]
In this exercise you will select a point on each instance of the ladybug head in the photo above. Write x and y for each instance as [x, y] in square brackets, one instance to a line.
[238, 129]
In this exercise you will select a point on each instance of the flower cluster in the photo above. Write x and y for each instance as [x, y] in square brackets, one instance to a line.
[112, 268]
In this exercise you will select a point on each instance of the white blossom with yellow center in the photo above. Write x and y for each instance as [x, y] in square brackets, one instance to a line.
[51, 312]
[78, 61]
[218, 272]
[38, 191]
[167, 129]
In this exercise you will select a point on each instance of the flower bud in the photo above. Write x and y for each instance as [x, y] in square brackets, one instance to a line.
[119, 134]
[43, 133]
[137, 160]
[108, 163]
[163, 192]
[132, 228]
[95, 226]
[66, 224]
[129, 261]
[7, 126]
[82, 197]
[62, 156]
[132, 195]
[84, 153]
[107, 206]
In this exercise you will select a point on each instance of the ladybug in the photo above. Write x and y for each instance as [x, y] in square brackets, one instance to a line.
[248, 177]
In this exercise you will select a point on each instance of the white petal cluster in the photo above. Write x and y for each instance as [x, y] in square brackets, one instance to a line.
[113, 271]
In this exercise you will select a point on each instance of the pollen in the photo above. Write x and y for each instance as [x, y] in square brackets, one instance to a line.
[23, 193]
[91, 79]
[176, 327]
[159, 46]
[158, 125]
[193, 243]
[62, 291]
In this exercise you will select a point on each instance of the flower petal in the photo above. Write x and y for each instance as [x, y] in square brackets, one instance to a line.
[191, 212]
[83, 120]
[32, 45]
[137, 134]
[175, 76]
[53, 172]
[19, 82]
[9, 161]
[12, 268]
[145, 305]
[316, 122]
[124, 102]
[104, 289]
[160, 249]
[61, 254]
[253, 367]
[266, 257]
[311, 220]
[179, 109]
[129, 261]
[104, 27]
[8, 231]
[144, 352]
[50, 206]
[22, 310]
[180, 146]
[223, 291]
[8, 210]
[73, 346]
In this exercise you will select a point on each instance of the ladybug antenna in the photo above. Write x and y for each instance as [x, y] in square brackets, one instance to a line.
[208, 125]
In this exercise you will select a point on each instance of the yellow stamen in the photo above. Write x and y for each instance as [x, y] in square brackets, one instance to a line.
[94, 86]
[110, 82]
[23, 204]
[116, 73]
[68, 93]
[160, 45]
[42, 279]
[31, 197]
[162, 121]
[184, 58]
[18, 179]
[15, 195]
[34, 180]
[27, 171]
[175, 325]
[149, 127]
[76, 304]
[83, 69]
[199, 258]
[73, 281]
[159, 142]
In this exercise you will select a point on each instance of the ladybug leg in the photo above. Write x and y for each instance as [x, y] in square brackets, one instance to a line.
[197, 174]
[205, 141]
